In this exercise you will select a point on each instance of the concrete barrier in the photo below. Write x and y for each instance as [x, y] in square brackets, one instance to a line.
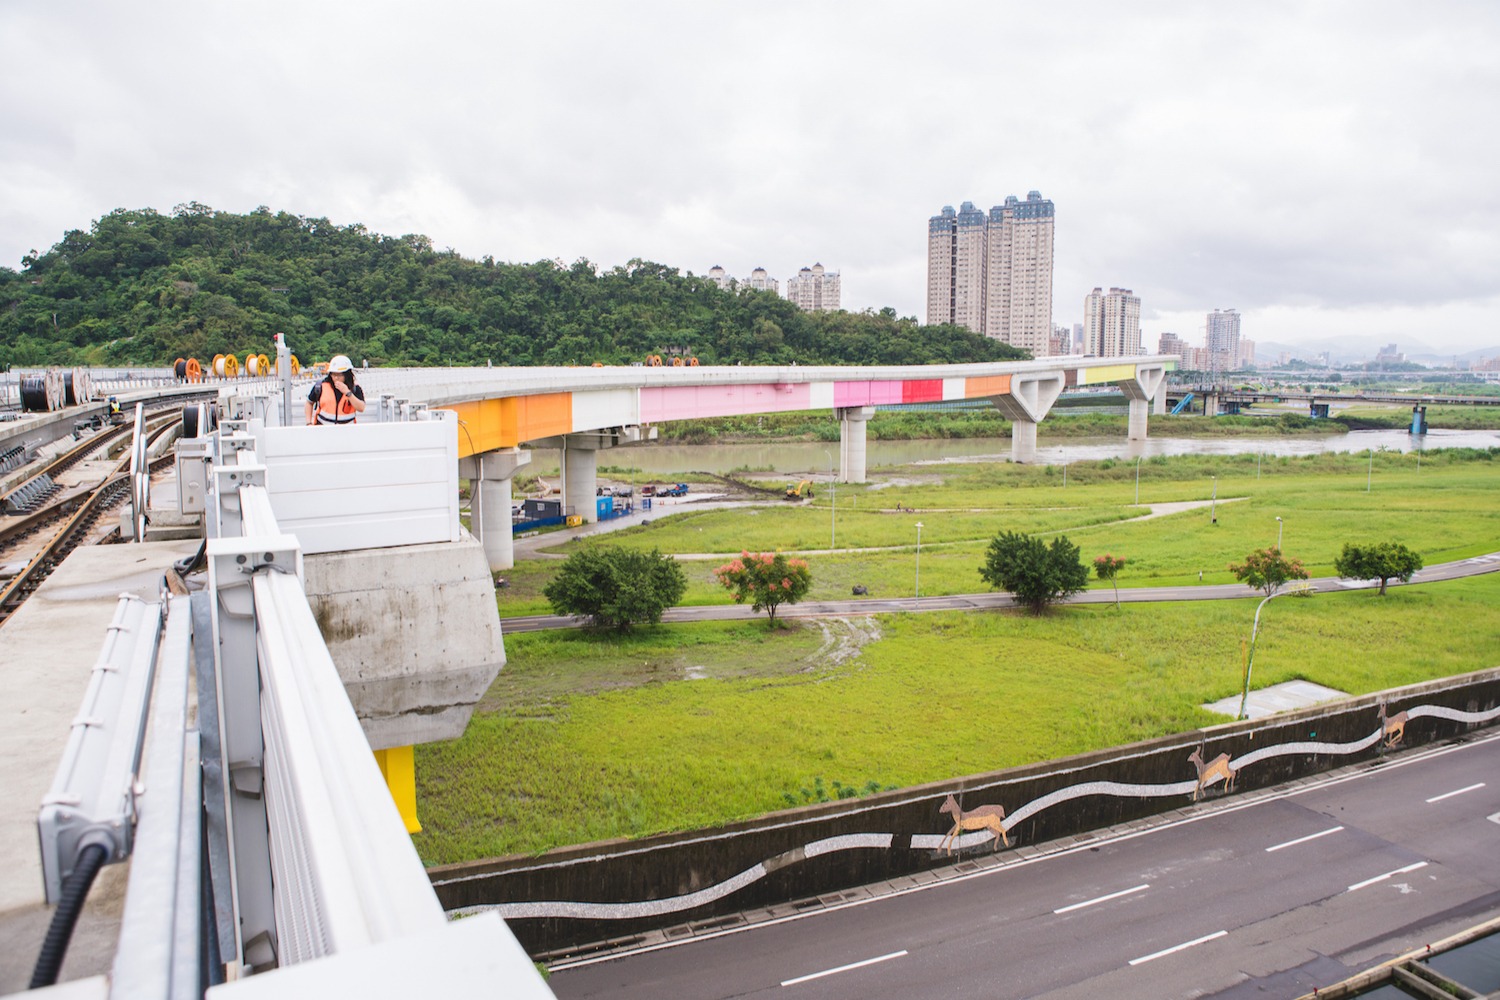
[593, 892]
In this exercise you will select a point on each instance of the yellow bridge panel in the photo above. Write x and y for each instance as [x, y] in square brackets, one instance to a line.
[487, 424]
[1106, 373]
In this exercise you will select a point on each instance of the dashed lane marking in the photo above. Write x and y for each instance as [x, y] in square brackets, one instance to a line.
[1449, 795]
[1303, 840]
[842, 968]
[1382, 878]
[1102, 899]
[1176, 948]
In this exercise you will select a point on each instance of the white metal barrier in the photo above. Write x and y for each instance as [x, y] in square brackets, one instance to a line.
[313, 886]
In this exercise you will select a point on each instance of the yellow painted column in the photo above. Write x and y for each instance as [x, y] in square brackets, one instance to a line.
[397, 766]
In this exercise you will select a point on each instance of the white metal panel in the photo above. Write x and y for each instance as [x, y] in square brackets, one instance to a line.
[368, 486]
[954, 388]
[606, 408]
[821, 396]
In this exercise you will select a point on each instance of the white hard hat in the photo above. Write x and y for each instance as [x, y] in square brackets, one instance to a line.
[340, 363]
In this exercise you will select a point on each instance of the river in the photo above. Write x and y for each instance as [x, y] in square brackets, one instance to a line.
[796, 457]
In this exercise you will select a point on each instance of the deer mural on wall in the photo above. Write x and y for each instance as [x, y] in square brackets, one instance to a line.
[985, 817]
[1392, 728]
[1211, 772]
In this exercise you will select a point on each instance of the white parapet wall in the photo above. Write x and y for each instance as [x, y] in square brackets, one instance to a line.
[372, 485]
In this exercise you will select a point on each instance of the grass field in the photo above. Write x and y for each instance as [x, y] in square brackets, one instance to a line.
[593, 737]
[1448, 508]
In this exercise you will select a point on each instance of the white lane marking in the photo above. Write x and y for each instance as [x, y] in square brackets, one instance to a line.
[1382, 878]
[1101, 899]
[843, 968]
[1418, 756]
[1303, 840]
[1176, 948]
[1494, 819]
[1449, 795]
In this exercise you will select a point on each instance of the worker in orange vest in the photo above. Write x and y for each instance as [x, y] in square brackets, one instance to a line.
[336, 399]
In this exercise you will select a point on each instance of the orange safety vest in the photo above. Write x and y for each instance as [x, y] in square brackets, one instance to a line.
[333, 408]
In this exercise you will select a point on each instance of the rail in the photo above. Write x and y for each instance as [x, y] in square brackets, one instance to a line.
[268, 857]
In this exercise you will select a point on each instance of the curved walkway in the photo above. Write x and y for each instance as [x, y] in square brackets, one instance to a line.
[1476, 566]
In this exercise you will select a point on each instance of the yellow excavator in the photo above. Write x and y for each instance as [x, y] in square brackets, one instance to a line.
[802, 491]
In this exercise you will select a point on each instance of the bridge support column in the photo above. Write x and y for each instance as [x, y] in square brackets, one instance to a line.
[581, 475]
[489, 477]
[1023, 441]
[1147, 384]
[1159, 402]
[852, 421]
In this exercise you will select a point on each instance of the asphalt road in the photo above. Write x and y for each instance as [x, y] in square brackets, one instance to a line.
[980, 602]
[1263, 896]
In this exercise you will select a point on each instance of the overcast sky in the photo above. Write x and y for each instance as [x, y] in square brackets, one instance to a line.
[1329, 169]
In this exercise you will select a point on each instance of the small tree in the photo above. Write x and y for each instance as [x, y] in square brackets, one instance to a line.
[767, 581]
[1384, 561]
[615, 587]
[1267, 569]
[1035, 573]
[1107, 567]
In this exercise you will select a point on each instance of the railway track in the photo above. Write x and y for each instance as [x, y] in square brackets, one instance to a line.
[72, 520]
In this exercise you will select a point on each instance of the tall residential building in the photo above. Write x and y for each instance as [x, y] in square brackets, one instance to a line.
[993, 273]
[1112, 323]
[813, 289]
[1170, 343]
[720, 277]
[762, 282]
[1223, 340]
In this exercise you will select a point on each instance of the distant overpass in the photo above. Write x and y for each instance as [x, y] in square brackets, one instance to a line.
[1220, 399]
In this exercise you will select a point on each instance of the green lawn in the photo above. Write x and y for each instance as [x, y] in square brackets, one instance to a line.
[587, 737]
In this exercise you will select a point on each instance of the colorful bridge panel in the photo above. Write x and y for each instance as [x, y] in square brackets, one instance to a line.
[866, 393]
[488, 424]
[986, 385]
[1105, 373]
[922, 391]
[685, 402]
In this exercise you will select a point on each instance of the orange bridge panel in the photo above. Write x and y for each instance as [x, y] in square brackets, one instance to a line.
[488, 424]
[986, 385]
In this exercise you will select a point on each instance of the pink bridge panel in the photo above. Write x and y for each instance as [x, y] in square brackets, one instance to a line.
[689, 401]
[869, 393]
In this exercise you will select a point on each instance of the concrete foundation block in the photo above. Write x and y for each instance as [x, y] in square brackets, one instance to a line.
[414, 632]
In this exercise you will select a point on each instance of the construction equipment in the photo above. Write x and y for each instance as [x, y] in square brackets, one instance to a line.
[675, 490]
[802, 491]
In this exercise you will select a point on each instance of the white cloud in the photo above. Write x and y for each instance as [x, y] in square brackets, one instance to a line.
[1324, 165]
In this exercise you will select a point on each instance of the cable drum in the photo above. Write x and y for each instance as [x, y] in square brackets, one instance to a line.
[34, 393]
[56, 389]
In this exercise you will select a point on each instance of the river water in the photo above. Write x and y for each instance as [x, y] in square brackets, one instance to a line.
[794, 457]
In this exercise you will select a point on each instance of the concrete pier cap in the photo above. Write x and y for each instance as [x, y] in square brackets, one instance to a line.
[1145, 386]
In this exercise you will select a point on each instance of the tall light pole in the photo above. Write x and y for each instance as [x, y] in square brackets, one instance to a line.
[919, 558]
[833, 502]
[1250, 662]
[1370, 472]
[1138, 480]
[1279, 526]
[1213, 503]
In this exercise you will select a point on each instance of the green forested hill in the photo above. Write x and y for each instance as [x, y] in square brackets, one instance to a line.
[141, 287]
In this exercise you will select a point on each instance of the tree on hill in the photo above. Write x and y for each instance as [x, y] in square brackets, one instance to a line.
[616, 587]
[1036, 573]
[1267, 570]
[1383, 561]
[144, 287]
[767, 581]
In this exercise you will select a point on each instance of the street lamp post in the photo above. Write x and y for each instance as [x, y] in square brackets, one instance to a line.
[1279, 526]
[919, 558]
[1250, 662]
[1370, 472]
[833, 502]
[1213, 503]
[1138, 480]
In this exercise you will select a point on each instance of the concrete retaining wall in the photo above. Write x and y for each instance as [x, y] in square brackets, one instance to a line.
[594, 892]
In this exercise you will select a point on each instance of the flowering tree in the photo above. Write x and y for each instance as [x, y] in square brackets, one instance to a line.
[1267, 569]
[767, 581]
[1107, 567]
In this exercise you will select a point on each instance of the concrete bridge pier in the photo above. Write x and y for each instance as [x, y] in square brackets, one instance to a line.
[1159, 402]
[1030, 399]
[489, 476]
[852, 420]
[1147, 384]
[580, 455]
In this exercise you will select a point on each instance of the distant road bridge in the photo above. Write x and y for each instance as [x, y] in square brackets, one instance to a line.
[1220, 399]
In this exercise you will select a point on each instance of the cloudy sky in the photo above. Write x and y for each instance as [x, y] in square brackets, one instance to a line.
[1330, 169]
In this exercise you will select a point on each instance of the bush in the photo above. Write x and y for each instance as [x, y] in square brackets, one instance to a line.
[1037, 574]
[615, 587]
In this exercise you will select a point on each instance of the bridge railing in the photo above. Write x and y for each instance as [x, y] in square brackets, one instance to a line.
[310, 884]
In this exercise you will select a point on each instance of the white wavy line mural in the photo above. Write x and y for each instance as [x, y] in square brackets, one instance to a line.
[992, 820]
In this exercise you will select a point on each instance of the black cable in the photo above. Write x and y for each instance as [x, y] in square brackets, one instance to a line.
[187, 565]
[75, 890]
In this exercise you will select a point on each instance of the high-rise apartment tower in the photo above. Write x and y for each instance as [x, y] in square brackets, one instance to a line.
[993, 273]
[814, 289]
[1112, 323]
[1223, 340]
